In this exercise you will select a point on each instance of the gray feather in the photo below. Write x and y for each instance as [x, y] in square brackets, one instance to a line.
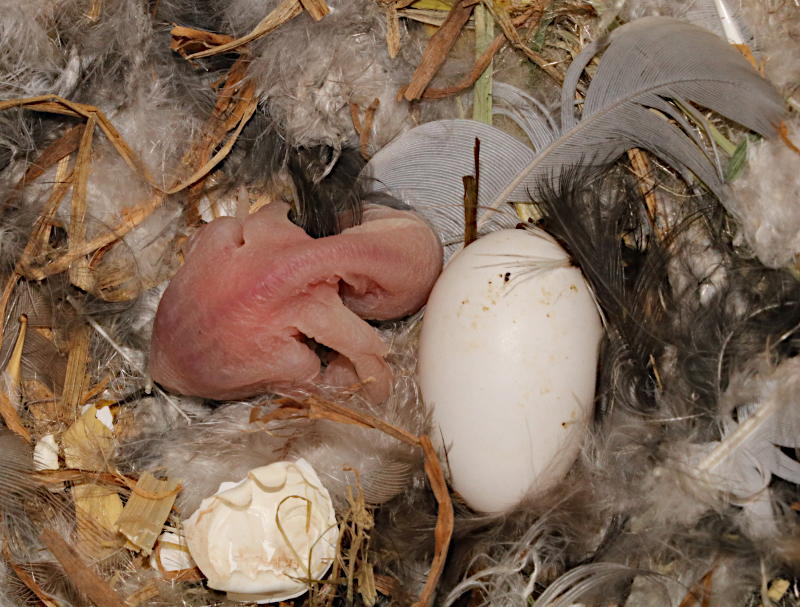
[424, 168]
[646, 63]
[649, 68]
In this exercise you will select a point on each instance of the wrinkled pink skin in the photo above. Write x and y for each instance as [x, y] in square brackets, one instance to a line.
[233, 320]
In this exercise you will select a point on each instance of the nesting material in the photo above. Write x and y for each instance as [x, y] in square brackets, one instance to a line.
[146, 511]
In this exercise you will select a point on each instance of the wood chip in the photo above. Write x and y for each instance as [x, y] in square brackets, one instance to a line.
[777, 589]
[437, 49]
[84, 579]
[364, 129]
[147, 510]
[392, 31]
[478, 68]
[88, 443]
[97, 509]
[470, 209]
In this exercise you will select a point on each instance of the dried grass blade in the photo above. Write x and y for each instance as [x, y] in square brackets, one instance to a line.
[27, 579]
[75, 379]
[477, 69]
[364, 130]
[86, 580]
[14, 366]
[438, 47]
[184, 38]
[232, 105]
[316, 8]
[243, 116]
[40, 235]
[76, 475]
[12, 419]
[97, 388]
[482, 62]
[443, 531]
[79, 270]
[56, 151]
[482, 93]
[95, 10]
[54, 104]
[503, 19]
[131, 218]
[318, 406]
[286, 10]
[783, 132]
[8, 290]
[699, 592]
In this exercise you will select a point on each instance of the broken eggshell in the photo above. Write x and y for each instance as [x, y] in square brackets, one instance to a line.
[262, 538]
[507, 364]
[171, 553]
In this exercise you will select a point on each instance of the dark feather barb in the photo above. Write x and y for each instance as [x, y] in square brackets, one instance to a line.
[588, 213]
[660, 324]
[328, 195]
[326, 183]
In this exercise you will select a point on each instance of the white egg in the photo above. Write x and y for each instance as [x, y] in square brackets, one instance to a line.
[507, 364]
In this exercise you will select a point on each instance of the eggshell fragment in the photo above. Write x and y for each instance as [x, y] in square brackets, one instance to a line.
[171, 553]
[45, 453]
[507, 364]
[262, 538]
